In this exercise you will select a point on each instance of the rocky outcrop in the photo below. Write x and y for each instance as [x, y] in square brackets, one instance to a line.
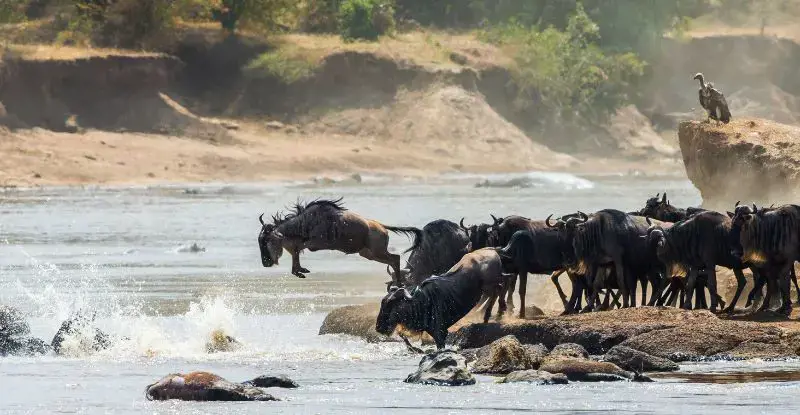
[752, 160]
[15, 336]
[537, 377]
[203, 386]
[503, 356]
[355, 320]
[635, 360]
[669, 333]
[444, 368]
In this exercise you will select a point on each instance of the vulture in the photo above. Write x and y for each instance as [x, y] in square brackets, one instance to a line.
[712, 100]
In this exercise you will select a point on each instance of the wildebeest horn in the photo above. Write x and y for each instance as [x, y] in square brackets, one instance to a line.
[737, 204]
[496, 221]
[755, 208]
[547, 222]
[584, 216]
[658, 194]
[389, 270]
[664, 198]
[261, 219]
[461, 223]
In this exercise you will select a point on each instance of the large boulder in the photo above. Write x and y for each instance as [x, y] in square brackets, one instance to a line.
[537, 377]
[355, 320]
[634, 360]
[15, 336]
[752, 160]
[444, 368]
[203, 386]
[503, 356]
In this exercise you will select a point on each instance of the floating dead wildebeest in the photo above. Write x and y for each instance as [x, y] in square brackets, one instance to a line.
[326, 225]
[205, 386]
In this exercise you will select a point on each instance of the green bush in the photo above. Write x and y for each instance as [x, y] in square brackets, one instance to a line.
[281, 64]
[320, 16]
[365, 19]
[565, 75]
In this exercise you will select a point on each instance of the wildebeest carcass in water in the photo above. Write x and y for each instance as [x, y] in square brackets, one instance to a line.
[326, 225]
[700, 242]
[437, 247]
[440, 301]
[768, 239]
[661, 209]
[713, 101]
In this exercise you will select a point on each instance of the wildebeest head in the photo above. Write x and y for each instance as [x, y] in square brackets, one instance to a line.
[569, 226]
[478, 234]
[395, 306]
[270, 241]
[742, 218]
[657, 241]
[402, 276]
[654, 204]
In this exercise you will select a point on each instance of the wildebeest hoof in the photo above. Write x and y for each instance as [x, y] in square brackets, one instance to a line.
[298, 274]
[304, 270]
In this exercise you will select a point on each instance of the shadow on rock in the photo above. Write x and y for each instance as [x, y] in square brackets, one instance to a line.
[444, 368]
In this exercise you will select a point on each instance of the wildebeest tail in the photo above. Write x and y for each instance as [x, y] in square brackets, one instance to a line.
[408, 231]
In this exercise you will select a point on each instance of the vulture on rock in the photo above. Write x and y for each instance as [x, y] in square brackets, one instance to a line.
[712, 100]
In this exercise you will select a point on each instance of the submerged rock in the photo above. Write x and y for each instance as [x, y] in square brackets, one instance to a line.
[444, 368]
[281, 381]
[538, 377]
[15, 336]
[630, 359]
[355, 320]
[78, 335]
[203, 386]
[503, 356]
[585, 370]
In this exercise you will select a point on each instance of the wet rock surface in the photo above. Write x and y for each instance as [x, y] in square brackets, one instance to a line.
[537, 377]
[15, 336]
[281, 381]
[444, 368]
[79, 335]
[203, 386]
[503, 356]
[635, 360]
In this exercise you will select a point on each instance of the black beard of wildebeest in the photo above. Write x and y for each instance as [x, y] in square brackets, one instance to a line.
[662, 210]
[326, 225]
[713, 101]
[768, 239]
[437, 247]
[440, 301]
[699, 242]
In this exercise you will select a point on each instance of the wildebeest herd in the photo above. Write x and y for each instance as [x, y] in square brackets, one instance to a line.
[453, 268]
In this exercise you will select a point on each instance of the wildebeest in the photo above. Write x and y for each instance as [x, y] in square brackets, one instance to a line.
[661, 209]
[700, 242]
[768, 239]
[440, 301]
[713, 101]
[478, 234]
[326, 225]
[437, 247]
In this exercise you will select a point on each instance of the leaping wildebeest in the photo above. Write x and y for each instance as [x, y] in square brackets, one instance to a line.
[437, 247]
[713, 101]
[440, 301]
[326, 225]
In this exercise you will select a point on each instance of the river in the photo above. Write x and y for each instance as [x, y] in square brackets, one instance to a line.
[121, 252]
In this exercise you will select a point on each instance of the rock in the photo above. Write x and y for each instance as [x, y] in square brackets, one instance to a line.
[538, 377]
[193, 248]
[77, 335]
[503, 356]
[355, 320]
[569, 350]
[281, 381]
[633, 134]
[658, 331]
[470, 355]
[15, 339]
[221, 342]
[757, 350]
[458, 58]
[634, 360]
[274, 125]
[579, 369]
[444, 368]
[203, 386]
[749, 159]
[536, 353]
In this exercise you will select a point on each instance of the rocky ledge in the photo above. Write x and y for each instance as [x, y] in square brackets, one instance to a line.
[668, 334]
[752, 160]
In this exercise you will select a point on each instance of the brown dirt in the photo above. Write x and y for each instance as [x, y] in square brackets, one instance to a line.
[748, 160]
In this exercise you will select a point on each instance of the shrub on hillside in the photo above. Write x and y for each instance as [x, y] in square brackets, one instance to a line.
[320, 16]
[365, 19]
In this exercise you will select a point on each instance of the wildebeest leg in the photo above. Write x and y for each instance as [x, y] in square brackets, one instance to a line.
[607, 301]
[700, 296]
[712, 286]
[511, 284]
[691, 281]
[772, 283]
[573, 305]
[615, 299]
[759, 280]
[523, 290]
[644, 282]
[794, 280]
[439, 337]
[740, 282]
[784, 274]
[623, 286]
[658, 285]
[489, 304]
[297, 269]
[554, 279]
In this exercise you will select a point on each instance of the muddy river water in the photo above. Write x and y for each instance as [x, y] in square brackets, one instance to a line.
[124, 254]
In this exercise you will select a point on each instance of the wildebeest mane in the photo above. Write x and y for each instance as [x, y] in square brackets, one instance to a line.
[603, 222]
[774, 229]
[298, 223]
[300, 207]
